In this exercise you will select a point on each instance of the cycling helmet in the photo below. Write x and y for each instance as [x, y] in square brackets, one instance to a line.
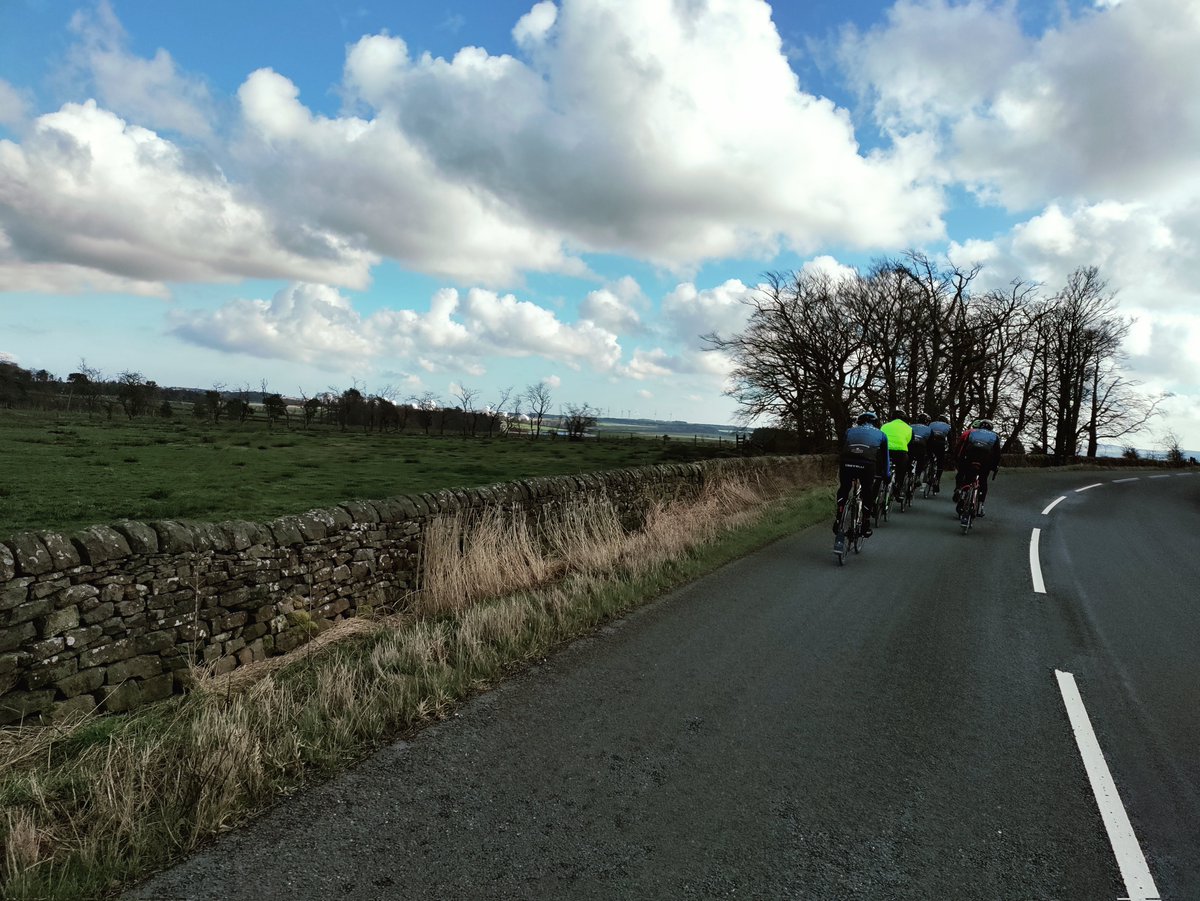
[867, 418]
[984, 424]
[942, 417]
[900, 414]
[923, 419]
[975, 423]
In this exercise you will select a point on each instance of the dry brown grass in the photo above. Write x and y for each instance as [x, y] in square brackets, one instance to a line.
[89, 804]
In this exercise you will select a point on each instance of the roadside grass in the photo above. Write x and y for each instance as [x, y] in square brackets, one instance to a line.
[68, 471]
[96, 803]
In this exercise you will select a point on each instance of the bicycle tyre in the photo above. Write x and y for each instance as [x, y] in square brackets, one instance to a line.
[856, 544]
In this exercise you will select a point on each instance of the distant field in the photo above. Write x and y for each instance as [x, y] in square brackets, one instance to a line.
[66, 472]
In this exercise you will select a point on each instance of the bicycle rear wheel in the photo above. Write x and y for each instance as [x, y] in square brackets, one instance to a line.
[856, 526]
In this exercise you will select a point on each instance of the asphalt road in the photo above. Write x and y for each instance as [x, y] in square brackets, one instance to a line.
[786, 728]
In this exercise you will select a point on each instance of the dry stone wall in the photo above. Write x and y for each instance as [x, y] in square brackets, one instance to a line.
[112, 617]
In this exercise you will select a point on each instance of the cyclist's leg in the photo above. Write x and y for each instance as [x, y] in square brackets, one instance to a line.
[850, 470]
[868, 485]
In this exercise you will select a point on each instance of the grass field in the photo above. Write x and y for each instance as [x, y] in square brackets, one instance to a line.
[65, 472]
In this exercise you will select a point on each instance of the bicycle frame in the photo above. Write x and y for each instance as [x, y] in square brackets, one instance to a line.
[970, 503]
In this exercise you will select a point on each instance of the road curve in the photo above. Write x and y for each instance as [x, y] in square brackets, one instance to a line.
[788, 728]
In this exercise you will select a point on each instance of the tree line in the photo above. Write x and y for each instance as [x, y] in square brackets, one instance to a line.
[909, 334]
[131, 395]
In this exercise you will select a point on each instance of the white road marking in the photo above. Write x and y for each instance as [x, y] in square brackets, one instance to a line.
[1130, 479]
[1054, 504]
[1035, 566]
[1184, 473]
[1086, 487]
[1165, 475]
[1132, 862]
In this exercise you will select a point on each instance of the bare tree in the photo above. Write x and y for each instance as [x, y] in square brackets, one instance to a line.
[467, 398]
[539, 398]
[578, 419]
[496, 411]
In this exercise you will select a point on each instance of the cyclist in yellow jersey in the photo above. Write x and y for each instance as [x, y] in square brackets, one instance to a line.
[899, 435]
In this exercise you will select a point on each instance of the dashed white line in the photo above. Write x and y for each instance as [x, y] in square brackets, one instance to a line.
[1130, 479]
[1132, 862]
[1165, 475]
[1054, 504]
[1035, 566]
[1086, 487]
[1184, 474]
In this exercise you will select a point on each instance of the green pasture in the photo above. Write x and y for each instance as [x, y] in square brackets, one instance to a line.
[61, 471]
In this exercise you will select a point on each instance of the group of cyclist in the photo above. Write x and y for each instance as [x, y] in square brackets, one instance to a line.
[880, 454]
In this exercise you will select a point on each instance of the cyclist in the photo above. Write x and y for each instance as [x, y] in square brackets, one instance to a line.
[978, 454]
[864, 457]
[899, 435]
[939, 438]
[918, 448]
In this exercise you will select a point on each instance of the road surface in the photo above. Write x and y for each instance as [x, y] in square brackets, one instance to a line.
[914, 724]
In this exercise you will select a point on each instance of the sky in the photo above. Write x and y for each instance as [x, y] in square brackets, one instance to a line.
[417, 197]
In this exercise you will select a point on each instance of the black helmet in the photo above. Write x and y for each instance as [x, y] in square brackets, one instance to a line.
[942, 417]
[899, 414]
[923, 418]
[984, 424]
[867, 417]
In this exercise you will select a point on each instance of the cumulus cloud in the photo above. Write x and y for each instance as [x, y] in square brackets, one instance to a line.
[152, 92]
[89, 193]
[692, 312]
[318, 325]
[1100, 106]
[305, 323]
[673, 132]
[615, 307]
[367, 178]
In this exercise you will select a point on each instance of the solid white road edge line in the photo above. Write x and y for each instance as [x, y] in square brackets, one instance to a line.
[1130, 479]
[1035, 567]
[1086, 487]
[1054, 504]
[1132, 862]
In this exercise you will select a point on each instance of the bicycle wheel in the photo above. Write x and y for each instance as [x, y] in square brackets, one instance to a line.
[927, 488]
[968, 510]
[841, 534]
[856, 525]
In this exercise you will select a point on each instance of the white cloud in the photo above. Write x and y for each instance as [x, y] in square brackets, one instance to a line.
[692, 312]
[673, 132]
[533, 27]
[91, 201]
[614, 307]
[1101, 106]
[368, 179]
[13, 105]
[150, 91]
[317, 325]
[305, 323]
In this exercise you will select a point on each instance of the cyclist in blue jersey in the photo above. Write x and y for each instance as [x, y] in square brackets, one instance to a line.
[939, 440]
[978, 454]
[864, 456]
[918, 448]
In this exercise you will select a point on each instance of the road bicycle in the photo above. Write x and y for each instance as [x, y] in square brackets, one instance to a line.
[907, 487]
[968, 504]
[930, 488]
[849, 524]
[883, 503]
